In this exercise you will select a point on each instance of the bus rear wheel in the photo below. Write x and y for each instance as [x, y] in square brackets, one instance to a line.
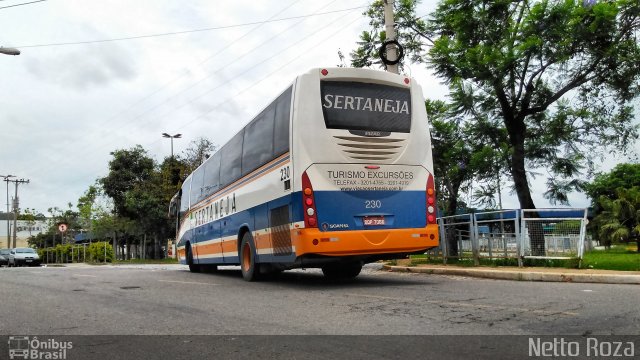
[192, 267]
[250, 268]
[342, 271]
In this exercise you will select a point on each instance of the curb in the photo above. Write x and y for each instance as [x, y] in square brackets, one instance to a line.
[523, 276]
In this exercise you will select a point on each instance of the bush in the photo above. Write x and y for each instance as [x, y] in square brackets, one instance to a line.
[96, 252]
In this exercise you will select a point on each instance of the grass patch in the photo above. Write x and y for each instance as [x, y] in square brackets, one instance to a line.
[616, 258]
[147, 261]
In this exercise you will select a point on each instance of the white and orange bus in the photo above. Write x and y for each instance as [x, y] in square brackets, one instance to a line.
[336, 172]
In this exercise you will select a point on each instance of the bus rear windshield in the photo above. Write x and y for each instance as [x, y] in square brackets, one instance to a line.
[360, 106]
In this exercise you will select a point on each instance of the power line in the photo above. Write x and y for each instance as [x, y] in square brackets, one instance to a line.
[27, 3]
[183, 32]
[165, 85]
[235, 76]
[190, 101]
[133, 121]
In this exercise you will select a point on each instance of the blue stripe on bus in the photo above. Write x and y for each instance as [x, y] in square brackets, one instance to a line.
[256, 218]
[342, 209]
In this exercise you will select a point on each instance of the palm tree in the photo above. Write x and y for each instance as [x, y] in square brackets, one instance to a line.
[620, 219]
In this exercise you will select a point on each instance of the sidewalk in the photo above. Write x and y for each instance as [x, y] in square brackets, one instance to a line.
[527, 273]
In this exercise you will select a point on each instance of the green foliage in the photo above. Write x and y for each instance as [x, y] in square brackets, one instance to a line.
[62, 253]
[196, 153]
[619, 219]
[96, 252]
[549, 83]
[141, 191]
[606, 184]
[411, 34]
[127, 169]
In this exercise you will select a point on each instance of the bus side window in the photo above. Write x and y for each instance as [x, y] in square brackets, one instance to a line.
[231, 160]
[197, 181]
[184, 198]
[281, 128]
[258, 148]
[212, 174]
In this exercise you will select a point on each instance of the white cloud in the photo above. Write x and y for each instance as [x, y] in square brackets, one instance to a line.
[65, 108]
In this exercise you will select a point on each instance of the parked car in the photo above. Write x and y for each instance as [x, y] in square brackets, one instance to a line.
[4, 256]
[24, 256]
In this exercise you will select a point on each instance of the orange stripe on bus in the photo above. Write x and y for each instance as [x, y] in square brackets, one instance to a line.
[230, 246]
[209, 249]
[262, 241]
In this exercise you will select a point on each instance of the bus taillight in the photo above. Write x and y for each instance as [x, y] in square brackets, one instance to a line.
[431, 201]
[308, 202]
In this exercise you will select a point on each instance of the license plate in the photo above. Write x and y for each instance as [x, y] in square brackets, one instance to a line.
[373, 220]
[28, 260]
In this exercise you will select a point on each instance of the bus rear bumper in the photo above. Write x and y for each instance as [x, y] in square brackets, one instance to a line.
[364, 242]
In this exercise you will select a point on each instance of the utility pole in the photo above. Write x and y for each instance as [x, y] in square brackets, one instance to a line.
[389, 25]
[6, 179]
[16, 205]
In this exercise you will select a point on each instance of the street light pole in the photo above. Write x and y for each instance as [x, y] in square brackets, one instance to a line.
[176, 136]
[6, 179]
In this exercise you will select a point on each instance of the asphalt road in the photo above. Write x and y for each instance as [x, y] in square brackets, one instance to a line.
[169, 300]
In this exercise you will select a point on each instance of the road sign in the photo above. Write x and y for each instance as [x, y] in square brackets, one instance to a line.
[62, 227]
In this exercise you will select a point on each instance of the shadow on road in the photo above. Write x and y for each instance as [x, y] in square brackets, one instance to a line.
[313, 278]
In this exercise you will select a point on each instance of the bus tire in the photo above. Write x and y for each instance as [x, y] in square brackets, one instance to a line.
[195, 268]
[342, 271]
[250, 269]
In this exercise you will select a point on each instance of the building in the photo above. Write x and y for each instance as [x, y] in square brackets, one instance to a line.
[25, 229]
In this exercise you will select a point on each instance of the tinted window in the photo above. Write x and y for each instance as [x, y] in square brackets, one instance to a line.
[231, 161]
[360, 106]
[212, 174]
[184, 200]
[281, 131]
[258, 141]
[197, 182]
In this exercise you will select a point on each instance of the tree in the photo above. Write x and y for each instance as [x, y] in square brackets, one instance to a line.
[463, 154]
[556, 76]
[452, 162]
[141, 191]
[608, 199]
[197, 152]
[619, 220]
[127, 169]
[607, 184]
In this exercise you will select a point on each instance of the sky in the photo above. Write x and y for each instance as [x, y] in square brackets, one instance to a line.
[65, 108]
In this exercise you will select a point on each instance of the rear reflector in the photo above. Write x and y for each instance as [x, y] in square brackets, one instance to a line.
[308, 202]
[431, 201]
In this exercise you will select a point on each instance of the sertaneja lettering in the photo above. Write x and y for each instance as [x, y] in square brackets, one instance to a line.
[357, 103]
